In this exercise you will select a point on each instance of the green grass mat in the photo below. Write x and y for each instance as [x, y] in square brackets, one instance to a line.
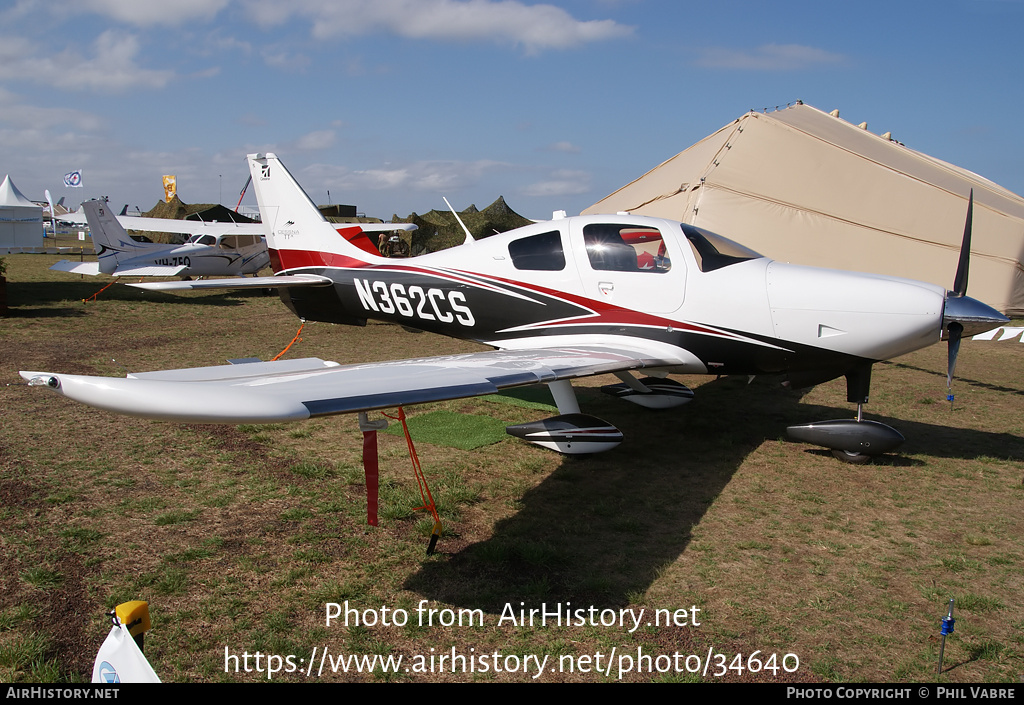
[535, 397]
[448, 428]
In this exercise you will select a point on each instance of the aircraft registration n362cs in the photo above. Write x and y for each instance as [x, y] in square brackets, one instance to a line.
[559, 299]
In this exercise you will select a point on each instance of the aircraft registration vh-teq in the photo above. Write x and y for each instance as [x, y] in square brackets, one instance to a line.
[560, 299]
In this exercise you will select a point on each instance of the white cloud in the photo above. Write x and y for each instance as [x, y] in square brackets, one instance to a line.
[562, 182]
[112, 67]
[146, 13]
[314, 141]
[438, 177]
[16, 114]
[534, 27]
[769, 57]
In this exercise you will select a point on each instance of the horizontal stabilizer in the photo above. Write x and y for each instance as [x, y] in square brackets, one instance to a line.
[66, 265]
[285, 280]
[153, 270]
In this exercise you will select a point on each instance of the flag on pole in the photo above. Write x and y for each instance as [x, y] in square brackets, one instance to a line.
[73, 179]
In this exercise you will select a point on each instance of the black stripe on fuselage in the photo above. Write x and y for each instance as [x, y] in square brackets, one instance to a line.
[473, 307]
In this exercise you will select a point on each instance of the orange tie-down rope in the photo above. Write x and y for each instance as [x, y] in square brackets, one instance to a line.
[370, 465]
[421, 481]
[294, 340]
[93, 297]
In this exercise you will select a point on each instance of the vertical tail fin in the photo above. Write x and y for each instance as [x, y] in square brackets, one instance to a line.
[297, 233]
[111, 241]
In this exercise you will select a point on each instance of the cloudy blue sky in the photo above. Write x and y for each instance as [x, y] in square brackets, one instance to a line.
[392, 104]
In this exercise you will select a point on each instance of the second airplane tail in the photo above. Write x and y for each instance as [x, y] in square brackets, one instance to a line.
[110, 240]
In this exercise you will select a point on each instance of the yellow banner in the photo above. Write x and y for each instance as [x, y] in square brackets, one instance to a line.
[170, 187]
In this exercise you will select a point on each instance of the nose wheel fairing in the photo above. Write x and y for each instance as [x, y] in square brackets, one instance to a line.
[849, 436]
[851, 440]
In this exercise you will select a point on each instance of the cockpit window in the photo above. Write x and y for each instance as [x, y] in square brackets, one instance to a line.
[538, 252]
[714, 251]
[619, 247]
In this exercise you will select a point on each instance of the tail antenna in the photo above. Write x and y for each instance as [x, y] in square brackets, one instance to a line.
[469, 235]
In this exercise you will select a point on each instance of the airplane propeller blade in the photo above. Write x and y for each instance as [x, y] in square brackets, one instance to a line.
[962, 314]
[960, 282]
[954, 329]
[955, 334]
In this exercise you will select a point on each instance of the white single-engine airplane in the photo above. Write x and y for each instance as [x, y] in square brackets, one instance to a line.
[234, 254]
[560, 299]
[214, 249]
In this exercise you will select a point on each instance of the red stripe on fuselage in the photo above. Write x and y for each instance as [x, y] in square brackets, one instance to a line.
[282, 260]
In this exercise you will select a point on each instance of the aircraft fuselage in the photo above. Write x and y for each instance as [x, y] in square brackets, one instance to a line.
[724, 309]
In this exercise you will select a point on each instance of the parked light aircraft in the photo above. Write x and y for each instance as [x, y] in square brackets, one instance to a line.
[214, 249]
[558, 300]
[202, 256]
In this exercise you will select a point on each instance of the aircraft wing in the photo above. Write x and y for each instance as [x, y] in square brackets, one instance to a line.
[170, 225]
[72, 218]
[197, 227]
[283, 280]
[292, 390]
[379, 227]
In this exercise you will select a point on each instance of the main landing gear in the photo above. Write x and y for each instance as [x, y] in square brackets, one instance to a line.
[854, 441]
[574, 433]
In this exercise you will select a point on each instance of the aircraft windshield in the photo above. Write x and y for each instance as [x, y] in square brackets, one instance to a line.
[714, 251]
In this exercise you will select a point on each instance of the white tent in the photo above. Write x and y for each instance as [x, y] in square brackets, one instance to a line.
[21, 220]
[804, 186]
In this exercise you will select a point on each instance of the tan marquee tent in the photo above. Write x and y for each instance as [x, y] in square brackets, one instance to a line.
[21, 220]
[804, 186]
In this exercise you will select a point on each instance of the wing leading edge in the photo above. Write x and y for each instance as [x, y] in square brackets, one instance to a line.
[274, 282]
[292, 390]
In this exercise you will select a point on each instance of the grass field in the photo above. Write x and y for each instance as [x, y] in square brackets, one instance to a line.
[238, 536]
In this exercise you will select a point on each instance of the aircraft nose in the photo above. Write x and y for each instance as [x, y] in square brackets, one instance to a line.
[975, 316]
[866, 315]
